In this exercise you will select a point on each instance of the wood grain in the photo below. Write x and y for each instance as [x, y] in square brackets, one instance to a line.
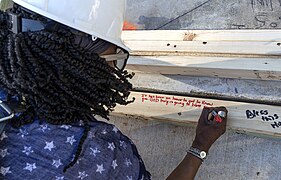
[228, 67]
[213, 47]
[203, 35]
[243, 54]
[180, 109]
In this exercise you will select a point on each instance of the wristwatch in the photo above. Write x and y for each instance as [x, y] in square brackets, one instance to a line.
[198, 153]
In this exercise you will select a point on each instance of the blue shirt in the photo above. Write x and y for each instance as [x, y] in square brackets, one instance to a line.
[40, 151]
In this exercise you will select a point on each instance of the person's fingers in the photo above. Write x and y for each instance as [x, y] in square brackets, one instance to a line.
[215, 113]
[224, 119]
[207, 118]
[221, 109]
[204, 118]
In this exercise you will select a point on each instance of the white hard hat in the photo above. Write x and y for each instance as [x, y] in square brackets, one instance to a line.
[100, 18]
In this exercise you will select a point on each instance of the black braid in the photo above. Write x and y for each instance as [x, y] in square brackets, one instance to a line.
[60, 81]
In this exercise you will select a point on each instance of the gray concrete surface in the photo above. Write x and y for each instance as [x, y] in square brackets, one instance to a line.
[205, 14]
[162, 145]
[234, 156]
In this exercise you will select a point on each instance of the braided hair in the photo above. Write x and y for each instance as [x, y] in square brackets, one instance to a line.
[61, 82]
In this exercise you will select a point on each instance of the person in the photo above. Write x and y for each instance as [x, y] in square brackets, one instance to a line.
[207, 132]
[58, 71]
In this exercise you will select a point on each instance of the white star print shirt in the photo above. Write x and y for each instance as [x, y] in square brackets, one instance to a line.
[40, 151]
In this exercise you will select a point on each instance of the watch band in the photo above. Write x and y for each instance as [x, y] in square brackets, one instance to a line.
[198, 153]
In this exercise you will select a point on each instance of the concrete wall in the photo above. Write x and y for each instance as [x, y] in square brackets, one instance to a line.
[205, 14]
[162, 145]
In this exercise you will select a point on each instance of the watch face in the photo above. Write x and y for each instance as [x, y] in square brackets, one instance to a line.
[203, 154]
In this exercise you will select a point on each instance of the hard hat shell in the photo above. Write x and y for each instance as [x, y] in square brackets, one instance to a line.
[100, 18]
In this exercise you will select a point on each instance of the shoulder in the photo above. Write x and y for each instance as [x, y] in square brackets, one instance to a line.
[114, 153]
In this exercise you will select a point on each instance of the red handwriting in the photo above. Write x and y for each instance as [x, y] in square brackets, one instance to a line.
[175, 101]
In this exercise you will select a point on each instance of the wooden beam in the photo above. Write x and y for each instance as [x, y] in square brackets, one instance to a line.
[245, 117]
[245, 54]
[206, 47]
[203, 35]
[245, 42]
[228, 67]
[260, 92]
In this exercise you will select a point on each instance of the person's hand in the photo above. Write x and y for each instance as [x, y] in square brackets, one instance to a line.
[208, 130]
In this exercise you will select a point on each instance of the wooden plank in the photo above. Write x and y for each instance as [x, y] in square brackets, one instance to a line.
[212, 47]
[245, 54]
[245, 117]
[228, 67]
[259, 92]
[203, 35]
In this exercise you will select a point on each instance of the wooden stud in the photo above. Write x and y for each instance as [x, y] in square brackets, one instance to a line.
[228, 67]
[246, 54]
[245, 117]
[203, 35]
[211, 47]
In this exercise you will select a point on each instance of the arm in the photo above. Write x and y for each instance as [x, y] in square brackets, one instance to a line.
[207, 132]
